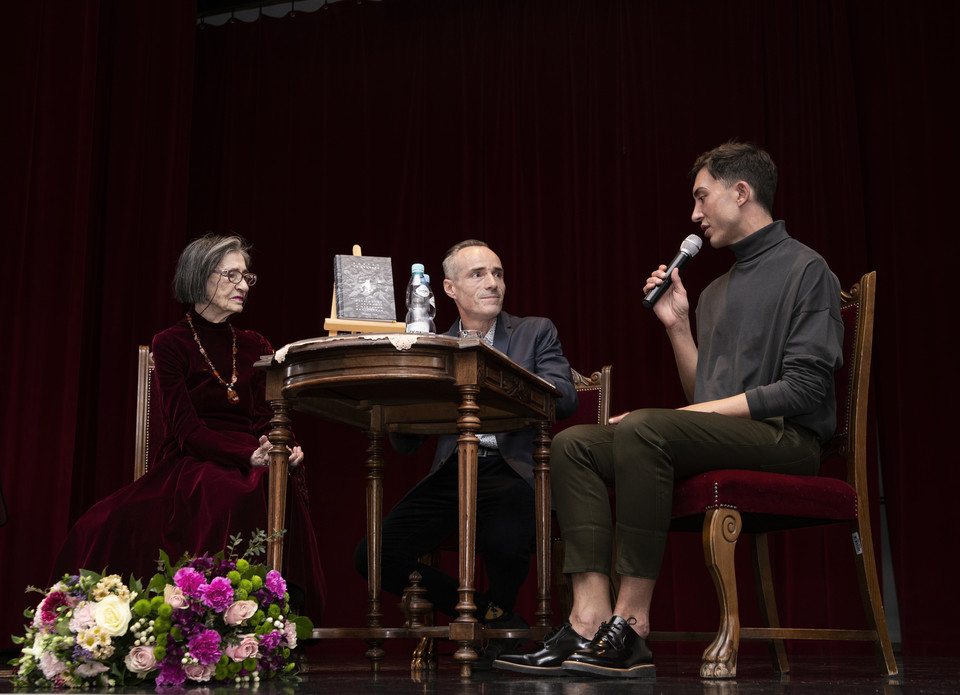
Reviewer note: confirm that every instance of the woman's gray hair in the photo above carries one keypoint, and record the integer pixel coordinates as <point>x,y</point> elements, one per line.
<point>199,260</point>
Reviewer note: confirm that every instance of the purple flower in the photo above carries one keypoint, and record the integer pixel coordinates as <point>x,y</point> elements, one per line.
<point>189,580</point>
<point>202,564</point>
<point>50,605</point>
<point>218,594</point>
<point>270,641</point>
<point>276,583</point>
<point>171,673</point>
<point>205,647</point>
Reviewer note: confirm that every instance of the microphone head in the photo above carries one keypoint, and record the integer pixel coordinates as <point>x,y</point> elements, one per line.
<point>691,245</point>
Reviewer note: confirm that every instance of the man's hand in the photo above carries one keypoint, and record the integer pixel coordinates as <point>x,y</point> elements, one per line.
<point>673,307</point>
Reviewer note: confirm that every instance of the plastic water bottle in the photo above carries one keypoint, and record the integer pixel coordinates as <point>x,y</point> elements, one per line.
<point>432,310</point>
<point>419,297</point>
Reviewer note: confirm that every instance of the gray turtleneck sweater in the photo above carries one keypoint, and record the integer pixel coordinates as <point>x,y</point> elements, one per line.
<point>770,328</point>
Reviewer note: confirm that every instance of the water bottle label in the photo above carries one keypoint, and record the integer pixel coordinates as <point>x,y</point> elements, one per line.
<point>422,290</point>
<point>418,327</point>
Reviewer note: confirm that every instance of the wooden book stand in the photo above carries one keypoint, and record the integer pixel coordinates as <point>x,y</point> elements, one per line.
<point>335,325</point>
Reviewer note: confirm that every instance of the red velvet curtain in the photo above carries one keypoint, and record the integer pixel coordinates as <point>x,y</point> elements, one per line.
<point>95,128</point>
<point>558,131</point>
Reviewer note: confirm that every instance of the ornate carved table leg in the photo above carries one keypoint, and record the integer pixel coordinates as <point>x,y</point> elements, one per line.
<point>541,472</point>
<point>464,630</point>
<point>280,439</point>
<point>721,528</point>
<point>374,478</point>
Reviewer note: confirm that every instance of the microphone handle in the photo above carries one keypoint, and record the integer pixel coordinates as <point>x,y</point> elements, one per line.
<point>653,295</point>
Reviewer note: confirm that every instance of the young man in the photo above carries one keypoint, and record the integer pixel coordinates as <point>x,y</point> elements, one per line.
<point>428,514</point>
<point>759,378</point>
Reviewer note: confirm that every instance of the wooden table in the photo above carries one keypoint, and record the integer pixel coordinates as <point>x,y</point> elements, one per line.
<point>414,384</point>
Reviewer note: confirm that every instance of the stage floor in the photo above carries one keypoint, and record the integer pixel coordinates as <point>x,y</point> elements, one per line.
<point>675,676</point>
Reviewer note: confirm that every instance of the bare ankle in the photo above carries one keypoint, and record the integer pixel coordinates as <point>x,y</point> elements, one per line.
<point>585,630</point>
<point>586,623</point>
<point>642,628</point>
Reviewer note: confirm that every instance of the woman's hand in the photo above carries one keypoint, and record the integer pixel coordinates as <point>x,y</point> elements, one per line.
<point>261,457</point>
<point>296,456</point>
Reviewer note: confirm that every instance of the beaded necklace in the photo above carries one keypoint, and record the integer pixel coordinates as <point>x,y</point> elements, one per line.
<point>231,393</point>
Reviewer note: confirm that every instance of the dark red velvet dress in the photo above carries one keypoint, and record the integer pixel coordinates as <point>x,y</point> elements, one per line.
<point>200,488</point>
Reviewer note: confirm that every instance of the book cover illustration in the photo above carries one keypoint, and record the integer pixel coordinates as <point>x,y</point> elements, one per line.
<point>364,287</point>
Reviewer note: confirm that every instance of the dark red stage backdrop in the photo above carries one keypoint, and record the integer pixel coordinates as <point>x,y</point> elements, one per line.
<point>559,131</point>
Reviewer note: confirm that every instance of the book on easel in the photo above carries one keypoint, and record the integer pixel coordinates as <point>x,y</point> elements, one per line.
<point>363,299</point>
<point>364,287</point>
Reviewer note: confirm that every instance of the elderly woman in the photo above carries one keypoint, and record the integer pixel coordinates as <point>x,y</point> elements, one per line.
<point>208,480</point>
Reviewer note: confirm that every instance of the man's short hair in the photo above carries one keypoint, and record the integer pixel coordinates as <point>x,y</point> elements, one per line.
<point>448,261</point>
<point>199,260</point>
<point>739,161</point>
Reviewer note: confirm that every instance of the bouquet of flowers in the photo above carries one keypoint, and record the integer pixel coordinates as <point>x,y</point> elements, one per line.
<point>206,618</point>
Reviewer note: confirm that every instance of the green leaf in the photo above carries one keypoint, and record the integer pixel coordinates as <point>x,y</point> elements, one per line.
<point>165,561</point>
<point>304,626</point>
<point>158,583</point>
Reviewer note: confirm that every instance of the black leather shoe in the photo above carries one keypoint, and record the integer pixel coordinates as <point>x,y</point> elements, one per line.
<point>499,645</point>
<point>616,652</point>
<point>559,644</point>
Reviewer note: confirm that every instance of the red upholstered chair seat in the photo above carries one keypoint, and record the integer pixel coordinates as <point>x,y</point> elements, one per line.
<point>784,501</point>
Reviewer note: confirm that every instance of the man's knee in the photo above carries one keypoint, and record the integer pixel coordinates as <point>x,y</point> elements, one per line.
<point>648,417</point>
<point>567,447</point>
<point>649,424</point>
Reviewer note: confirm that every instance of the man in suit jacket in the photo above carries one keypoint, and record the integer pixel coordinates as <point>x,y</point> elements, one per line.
<point>428,514</point>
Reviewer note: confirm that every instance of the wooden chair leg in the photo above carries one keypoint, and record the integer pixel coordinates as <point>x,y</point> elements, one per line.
<point>721,528</point>
<point>768,601</point>
<point>870,592</point>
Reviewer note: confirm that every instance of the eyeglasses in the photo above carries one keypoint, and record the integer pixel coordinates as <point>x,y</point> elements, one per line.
<point>235,276</point>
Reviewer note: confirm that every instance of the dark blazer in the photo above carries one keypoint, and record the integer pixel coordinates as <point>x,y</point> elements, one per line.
<point>533,343</point>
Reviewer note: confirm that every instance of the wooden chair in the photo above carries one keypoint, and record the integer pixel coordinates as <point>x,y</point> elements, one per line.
<point>141,460</point>
<point>725,503</point>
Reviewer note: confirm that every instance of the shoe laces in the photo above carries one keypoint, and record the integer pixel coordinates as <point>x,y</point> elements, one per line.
<point>614,632</point>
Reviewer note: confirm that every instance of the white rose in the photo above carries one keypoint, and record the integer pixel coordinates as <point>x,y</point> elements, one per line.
<point>112,615</point>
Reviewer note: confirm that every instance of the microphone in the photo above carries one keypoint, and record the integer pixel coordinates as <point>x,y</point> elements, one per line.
<point>688,249</point>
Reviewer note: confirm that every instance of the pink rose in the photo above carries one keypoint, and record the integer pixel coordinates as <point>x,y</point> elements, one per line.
<point>248,647</point>
<point>140,660</point>
<point>199,672</point>
<point>290,634</point>
<point>173,595</point>
<point>239,611</point>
